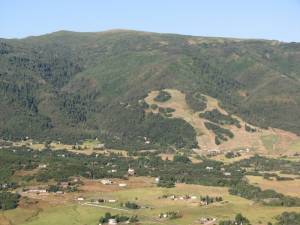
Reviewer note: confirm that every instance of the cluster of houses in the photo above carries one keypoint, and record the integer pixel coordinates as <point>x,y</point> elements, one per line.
<point>170,215</point>
<point>180,197</point>
<point>216,152</point>
<point>210,168</point>
<point>60,188</point>
<point>38,190</point>
<point>97,201</point>
<point>130,172</point>
<point>201,200</point>
<point>105,181</point>
<point>109,182</point>
<point>213,152</point>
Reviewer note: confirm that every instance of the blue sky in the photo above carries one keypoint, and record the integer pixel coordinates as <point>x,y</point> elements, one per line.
<point>268,19</point>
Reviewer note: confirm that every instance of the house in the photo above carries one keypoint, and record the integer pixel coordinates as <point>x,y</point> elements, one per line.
<point>131,172</point>
<point>106,181</point>
<point>122,185</point>
<point>76,180</point>
<point>80,199</point>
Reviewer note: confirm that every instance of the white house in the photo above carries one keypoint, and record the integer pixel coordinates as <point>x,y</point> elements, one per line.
<point>37,191</point>
<point>131,171</point>
<point>122,185</point>
<point>157,180</point>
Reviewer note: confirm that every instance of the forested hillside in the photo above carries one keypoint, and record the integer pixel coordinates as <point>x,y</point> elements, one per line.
<point>69,86</point>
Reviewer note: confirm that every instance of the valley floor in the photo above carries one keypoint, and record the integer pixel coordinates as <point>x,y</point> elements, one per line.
<point>62,209</point>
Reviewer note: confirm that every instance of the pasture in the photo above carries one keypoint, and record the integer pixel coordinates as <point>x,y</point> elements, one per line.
<point>287,187</point>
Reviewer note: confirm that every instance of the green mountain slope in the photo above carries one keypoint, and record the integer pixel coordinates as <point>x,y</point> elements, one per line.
<point>69,85</point>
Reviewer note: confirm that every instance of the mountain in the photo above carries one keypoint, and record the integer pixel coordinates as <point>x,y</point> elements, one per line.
<point>69,86</point>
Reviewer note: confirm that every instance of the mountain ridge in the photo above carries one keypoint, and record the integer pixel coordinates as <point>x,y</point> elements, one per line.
<point>122,30</point>
<point>66,85</point>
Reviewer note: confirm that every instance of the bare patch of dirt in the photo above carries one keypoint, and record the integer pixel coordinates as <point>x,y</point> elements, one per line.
<point>206,138</point>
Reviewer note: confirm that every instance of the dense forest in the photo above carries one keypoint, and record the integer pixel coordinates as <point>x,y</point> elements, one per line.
<point>69,86</point>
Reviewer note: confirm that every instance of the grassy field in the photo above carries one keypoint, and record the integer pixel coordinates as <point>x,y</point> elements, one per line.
<point>295,146</point>
<point>289,187</point>
<point>50,212</point>
<point>269,141</point>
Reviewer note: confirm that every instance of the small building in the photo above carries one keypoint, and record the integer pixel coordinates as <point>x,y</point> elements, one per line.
<point>38,191</point>
<point>112,201</point>
<point>209,168</point>
<point>131,172</point>
<point>80,199</point>
<point>157,180</point>
<point>227,174</point>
